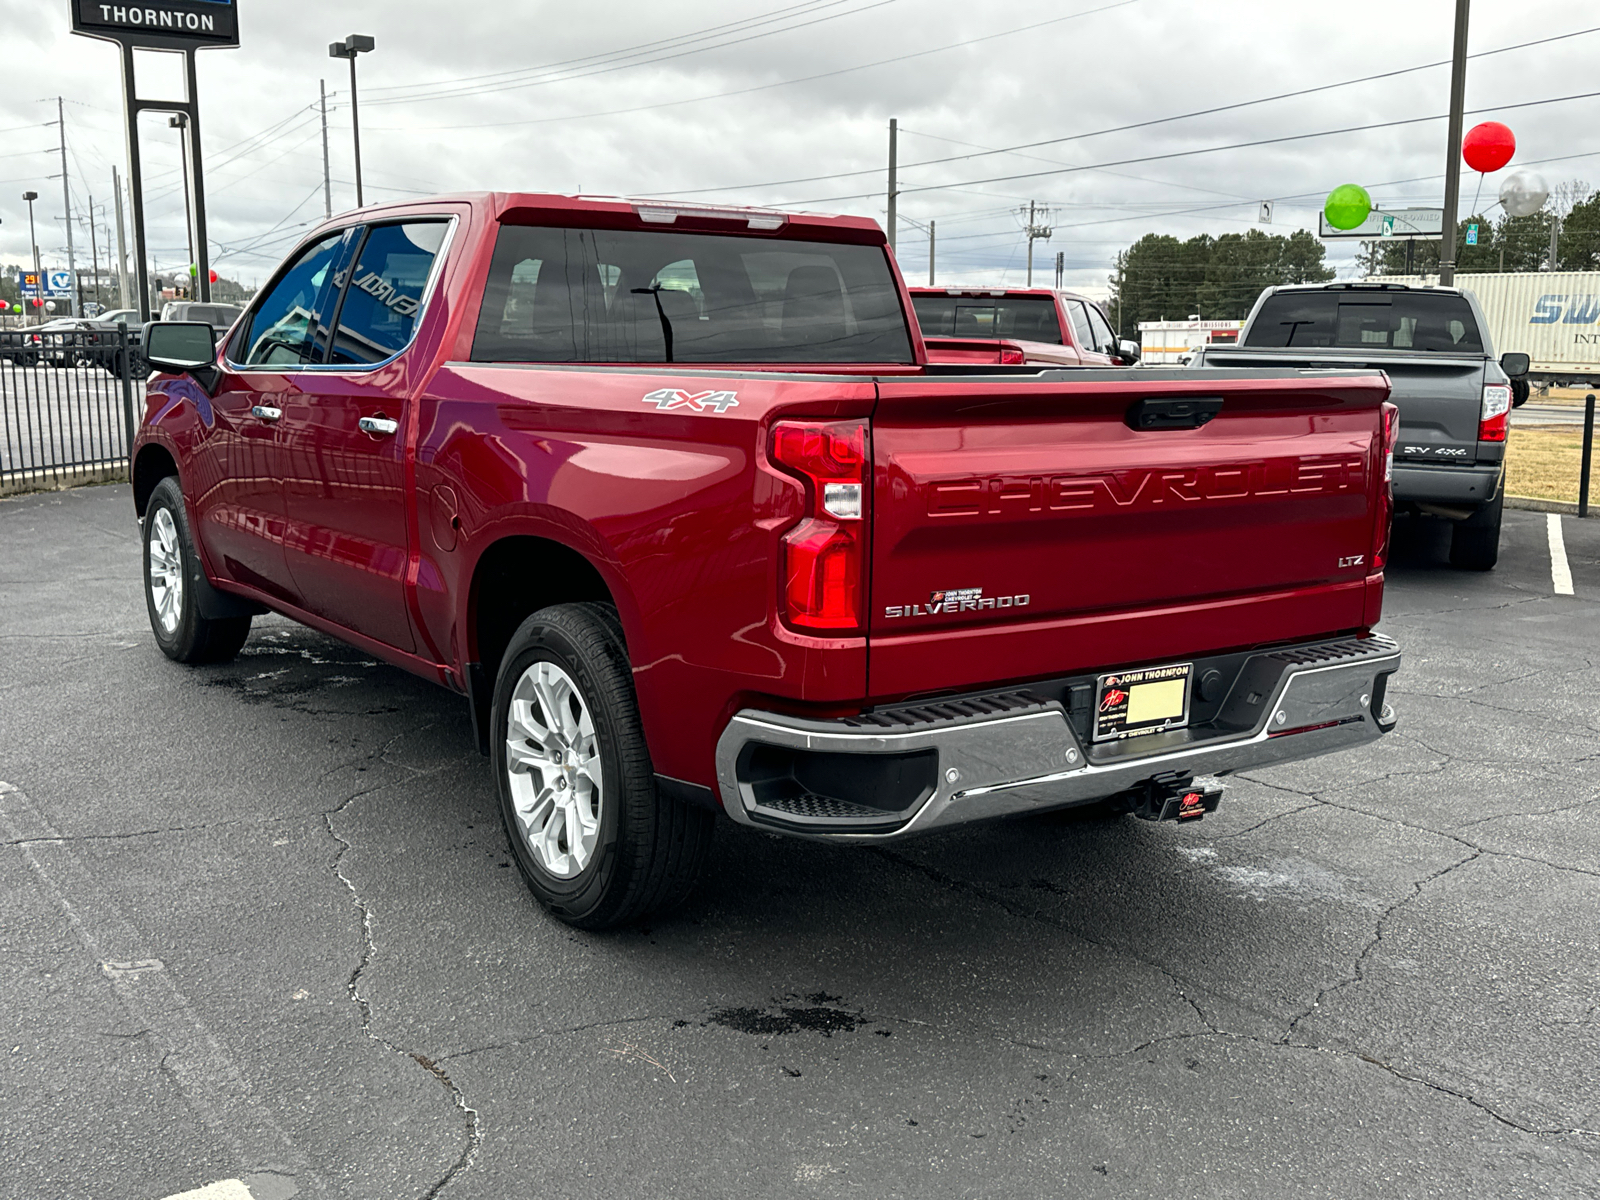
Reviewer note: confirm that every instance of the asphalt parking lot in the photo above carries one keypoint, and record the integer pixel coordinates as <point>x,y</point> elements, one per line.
<point>260,925</point>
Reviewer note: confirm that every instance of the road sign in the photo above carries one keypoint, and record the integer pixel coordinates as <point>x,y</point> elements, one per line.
<point>162,24</point>
<point>57,285</point>
<point>1472,235</point>
<point>1266,212</point>
<point>1401,223</point>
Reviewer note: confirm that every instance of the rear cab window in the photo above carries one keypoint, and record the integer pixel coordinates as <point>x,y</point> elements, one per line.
<point>1418,322</point>
<point>1024,318</point>
<point>560,294</point>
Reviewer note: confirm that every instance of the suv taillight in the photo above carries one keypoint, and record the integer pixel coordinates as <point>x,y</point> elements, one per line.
<point>823,566</point>
<point>1496,412</point>
<point>1390,418</point>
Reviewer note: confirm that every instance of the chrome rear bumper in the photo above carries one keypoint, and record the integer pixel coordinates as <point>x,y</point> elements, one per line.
<point>981,757</point>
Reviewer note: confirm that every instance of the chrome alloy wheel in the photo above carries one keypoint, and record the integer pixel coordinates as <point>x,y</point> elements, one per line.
<point>553,764</point>
<point>166,570</point>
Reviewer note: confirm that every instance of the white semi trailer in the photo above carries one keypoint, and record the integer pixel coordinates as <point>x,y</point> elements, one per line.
<point>1551,316</point>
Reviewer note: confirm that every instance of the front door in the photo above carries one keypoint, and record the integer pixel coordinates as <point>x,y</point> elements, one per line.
<point>348,545</point>
<point>237,494</point>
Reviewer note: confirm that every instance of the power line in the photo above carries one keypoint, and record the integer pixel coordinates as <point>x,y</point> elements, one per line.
<point>637,50</point>
<point>607,69</point>
<point>779,83</point>
<point>1272,141</point>
<point>1202,112</point>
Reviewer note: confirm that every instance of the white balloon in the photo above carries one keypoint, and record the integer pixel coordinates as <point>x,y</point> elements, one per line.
<point>1524,193</point>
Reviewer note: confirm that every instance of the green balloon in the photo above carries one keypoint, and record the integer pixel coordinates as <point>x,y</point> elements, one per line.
<point>1348,205</point>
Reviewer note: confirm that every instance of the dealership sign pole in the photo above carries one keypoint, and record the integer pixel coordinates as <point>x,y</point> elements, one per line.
<point>182,26</point>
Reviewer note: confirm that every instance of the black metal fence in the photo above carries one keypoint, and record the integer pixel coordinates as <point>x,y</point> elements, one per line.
<point>66,405</point>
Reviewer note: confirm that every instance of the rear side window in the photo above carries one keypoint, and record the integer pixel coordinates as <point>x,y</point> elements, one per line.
<point>287,326</point>
<point>1027,318</point>
<point>384,300</point>
<point>599,295</point>
<point>1430,323</point>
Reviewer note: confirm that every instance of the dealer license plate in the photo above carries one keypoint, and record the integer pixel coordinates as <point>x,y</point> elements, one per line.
<point>1133,703</point>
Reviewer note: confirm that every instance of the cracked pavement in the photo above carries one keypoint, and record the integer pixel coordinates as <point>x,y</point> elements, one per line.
<point>261,923</point>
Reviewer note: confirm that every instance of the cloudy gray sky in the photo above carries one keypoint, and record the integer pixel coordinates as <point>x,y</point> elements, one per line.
<point>731,101</point>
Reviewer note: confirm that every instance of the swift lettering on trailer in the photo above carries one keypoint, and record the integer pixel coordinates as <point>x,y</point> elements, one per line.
<point>1578,309</point>
<point>668,399</point>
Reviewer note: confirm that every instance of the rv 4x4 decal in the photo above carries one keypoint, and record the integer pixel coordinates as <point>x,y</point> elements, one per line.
<point>667,399</point>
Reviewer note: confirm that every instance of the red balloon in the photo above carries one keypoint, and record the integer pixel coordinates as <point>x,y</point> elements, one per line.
<point>213,276</point>
<point>1488,147</point>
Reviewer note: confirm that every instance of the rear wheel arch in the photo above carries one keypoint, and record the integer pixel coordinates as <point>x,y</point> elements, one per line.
<point>154,463</point>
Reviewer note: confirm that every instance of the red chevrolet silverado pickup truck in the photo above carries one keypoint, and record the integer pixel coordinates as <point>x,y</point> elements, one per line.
<point>1047,326</point>
<point>673,497</point>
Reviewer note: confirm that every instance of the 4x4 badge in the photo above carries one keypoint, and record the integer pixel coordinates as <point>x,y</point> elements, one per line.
<point>667,399</point>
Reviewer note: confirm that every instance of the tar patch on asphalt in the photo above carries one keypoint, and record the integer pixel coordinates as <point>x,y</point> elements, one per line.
<point>817,1015</point>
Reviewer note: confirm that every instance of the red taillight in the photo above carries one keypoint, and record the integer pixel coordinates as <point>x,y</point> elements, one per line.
<point>824,557</point>
<point>1496,412</point>
<point>1384,517</point>
<point>1012,356</point>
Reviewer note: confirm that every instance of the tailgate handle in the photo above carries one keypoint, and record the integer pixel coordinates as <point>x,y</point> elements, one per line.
<point>1173,412</point>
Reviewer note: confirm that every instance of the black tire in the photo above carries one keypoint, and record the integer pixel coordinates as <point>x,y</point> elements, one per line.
<point>181,632</point>
<point>1475,542</point>
<point>648,850</point>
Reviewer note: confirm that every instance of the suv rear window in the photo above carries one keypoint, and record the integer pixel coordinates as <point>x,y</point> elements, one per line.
<point>1028,318</point>
<point>1428,322</point>
<point>603,295</point>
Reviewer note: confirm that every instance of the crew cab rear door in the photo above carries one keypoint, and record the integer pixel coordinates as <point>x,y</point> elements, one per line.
<point>1024,529</point>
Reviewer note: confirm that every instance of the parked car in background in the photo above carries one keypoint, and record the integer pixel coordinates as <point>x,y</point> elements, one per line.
<point>1455,400</point>
<point>672,496</point>
<point>70,342</point>
<point>1060,328</point>
<point>219,316</point>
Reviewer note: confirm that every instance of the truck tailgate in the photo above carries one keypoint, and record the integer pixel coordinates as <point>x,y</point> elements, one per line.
<point>1439,397</point>
<point>1024,533</point>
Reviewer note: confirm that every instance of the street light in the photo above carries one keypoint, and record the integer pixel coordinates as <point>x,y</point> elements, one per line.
<point>356,43</point>
<point>33,240</point>
<point>180,122</point>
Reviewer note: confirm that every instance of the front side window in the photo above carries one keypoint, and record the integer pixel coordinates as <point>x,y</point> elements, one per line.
<point>602,295</point>
<point>1104,340</point>
<point>1081,332</point>
<point>284,328</point>
<point>1436,323</point>
<point>384,299</point>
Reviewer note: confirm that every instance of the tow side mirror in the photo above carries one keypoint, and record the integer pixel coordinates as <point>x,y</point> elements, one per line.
<point>184,348</point>
<point>1128,352</point>
<point>1514,363</point>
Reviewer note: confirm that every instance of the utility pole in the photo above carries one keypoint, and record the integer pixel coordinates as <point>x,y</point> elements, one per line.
<point>1036,232</point>
<point>1555,239</point>
<point>1061,267</point>
<point>66,201</point>
<point>931,225</point>
<point>124,296</point>
<point>894,185</point>
<point>1452,165</point>
<point>327,184</point>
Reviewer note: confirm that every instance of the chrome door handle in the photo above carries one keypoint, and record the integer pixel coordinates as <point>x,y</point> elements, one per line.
<point>266,413</point>
<point>381,425</point>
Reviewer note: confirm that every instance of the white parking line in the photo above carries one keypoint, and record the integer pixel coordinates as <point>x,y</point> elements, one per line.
<point>1560,572</point>
<point>226,1189</point>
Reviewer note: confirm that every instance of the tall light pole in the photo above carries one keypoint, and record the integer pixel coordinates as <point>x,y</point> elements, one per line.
<point>180,121</point>
<point>38,275</point>
<point>353,45</point>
